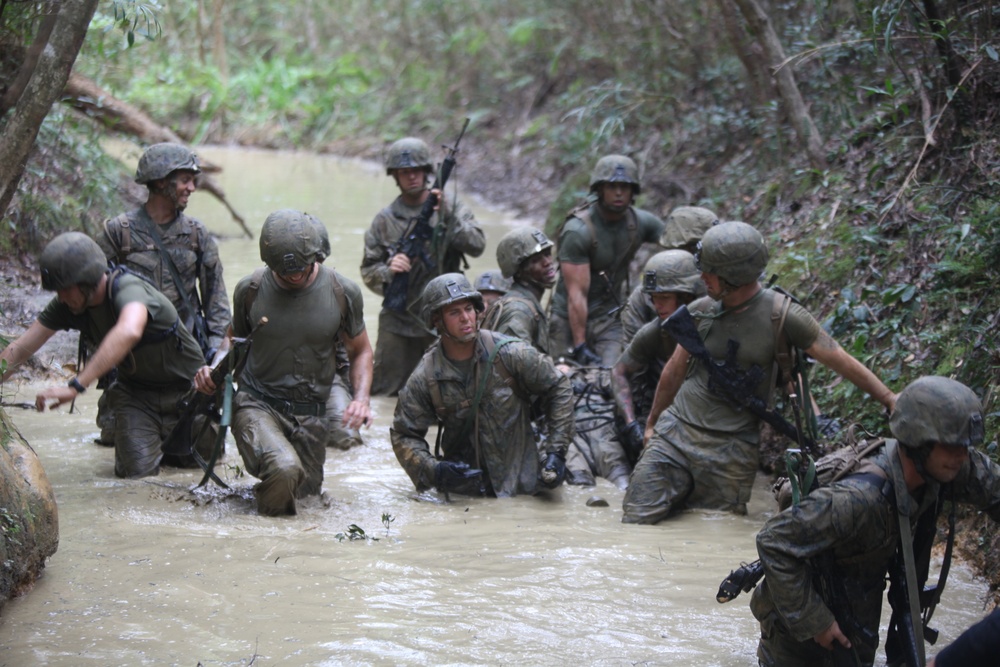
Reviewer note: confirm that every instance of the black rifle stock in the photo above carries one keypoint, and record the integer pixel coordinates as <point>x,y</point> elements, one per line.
<point>727,380</point>
<point>418,233</point>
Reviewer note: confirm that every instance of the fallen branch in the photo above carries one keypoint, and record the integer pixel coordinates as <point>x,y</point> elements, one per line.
<point>87,97</point>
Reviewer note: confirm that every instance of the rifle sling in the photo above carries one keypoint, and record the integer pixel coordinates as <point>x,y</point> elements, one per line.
<point>912,592</point>
<point>196,313</point>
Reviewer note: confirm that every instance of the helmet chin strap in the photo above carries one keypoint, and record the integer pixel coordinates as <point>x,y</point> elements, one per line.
<point>458,339</point>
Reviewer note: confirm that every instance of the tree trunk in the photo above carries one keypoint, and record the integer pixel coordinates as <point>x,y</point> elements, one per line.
<point>27,69</point>
<point>17,136</point>
<point>763,31</point>
<point>749,53</point>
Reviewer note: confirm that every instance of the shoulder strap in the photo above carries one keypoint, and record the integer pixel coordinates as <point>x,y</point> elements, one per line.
<point>121,251</point>
<point>251,294</point>
<point>784,355</point>
<point>338,292</point>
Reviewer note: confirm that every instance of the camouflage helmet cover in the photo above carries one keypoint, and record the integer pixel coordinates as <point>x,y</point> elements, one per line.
<point>290,241</point>
<point>734,251</point>
<point>491,281</point>
<point>71,259</point>
<point>324,238</point>
<point>518,245</point>
<point>446,289</point>
<point>408,152</point>
<point>161,160</point>
<point>934,410</point>
<point>686,225</point>
<point>672,271</point>
<point>615,169</point>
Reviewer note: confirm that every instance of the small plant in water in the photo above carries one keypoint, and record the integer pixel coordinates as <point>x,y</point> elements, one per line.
<point>387,520</point>
<point>354,533</point>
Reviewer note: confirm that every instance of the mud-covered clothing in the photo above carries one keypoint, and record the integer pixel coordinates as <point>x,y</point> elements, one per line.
<point>127,239</point>
<point>704,450</point>
<point>637,312</point>
<point>507,452</point>
<point>279,421</point>
<point>595,451</point>
<point>607,247</point>
<point>976,647</point>
<point>854,521</point>
<point>154,374</point>
<point>293,356</point>
<point>339,436</point>
<point>520,315</point>
<point>648,352</point>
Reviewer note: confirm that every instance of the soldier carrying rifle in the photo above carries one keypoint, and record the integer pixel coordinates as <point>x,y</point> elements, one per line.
<point>402,336</point>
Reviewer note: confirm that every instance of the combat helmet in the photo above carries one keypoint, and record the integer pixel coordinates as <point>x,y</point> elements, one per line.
<point>445,289</point>
<point>408,152</point>
<point>686,225</point>
<point>71,259</point>
<point>324,238</point>
<point>518,245</point>
<point>290,241</point>
<point>734,251</point>
<point>161,160</point>
<point>934,410</point>
<point>672,271</point>
<point>492,281</point>
<point>615,169</point>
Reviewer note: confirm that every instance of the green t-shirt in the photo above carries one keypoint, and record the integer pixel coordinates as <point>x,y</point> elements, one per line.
<point>160,359</point>
<point>614,249</point>
<point>753,329</point>
<point>650,345</point>
<point>293,356</point>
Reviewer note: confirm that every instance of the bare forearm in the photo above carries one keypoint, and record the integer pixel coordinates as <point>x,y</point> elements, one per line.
<point>829,353</point>
<point>623,392</point>
<point>670,383</point>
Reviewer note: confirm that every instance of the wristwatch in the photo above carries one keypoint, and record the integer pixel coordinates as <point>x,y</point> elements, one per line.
<point>75,383</point>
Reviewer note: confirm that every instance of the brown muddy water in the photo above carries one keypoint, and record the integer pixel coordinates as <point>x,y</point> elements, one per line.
<point>149,572</point>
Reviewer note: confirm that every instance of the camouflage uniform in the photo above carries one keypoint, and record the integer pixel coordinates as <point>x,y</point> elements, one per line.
<point>508,453</point>
<point>704,450</point>
<point>152,379</point>
<point>637,312</point>
<point>520,314</point>
<point>856,521</point>
<point>279,419</point>
<point>402,339</point>
<point>613,248</point>
<point>127,240</point>
<point>595,451</point>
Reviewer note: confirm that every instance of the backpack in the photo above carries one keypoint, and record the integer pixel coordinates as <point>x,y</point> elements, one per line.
<point>495,311</point>
<point>848,460</point>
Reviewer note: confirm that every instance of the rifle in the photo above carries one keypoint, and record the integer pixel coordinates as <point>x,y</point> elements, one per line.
<point>727,380</point>
<point>418,233</point>
<point>179,442</point>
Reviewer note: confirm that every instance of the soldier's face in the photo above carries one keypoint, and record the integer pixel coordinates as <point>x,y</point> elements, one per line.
<point>713,284</point>
<point>459,320</point>
<point>179,187</point>
<point>411,180</point>
<point>73,298</point>
<point>616,196</point>
<point>665,303</point>
<point>945,462</point>
<point>540,268</point>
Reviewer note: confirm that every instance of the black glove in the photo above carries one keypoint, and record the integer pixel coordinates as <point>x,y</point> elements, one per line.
<point>827,426</point>
<point>584,356</point>
<point>554,470</point>
<point>631,438</point>
<point>456,476</point>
